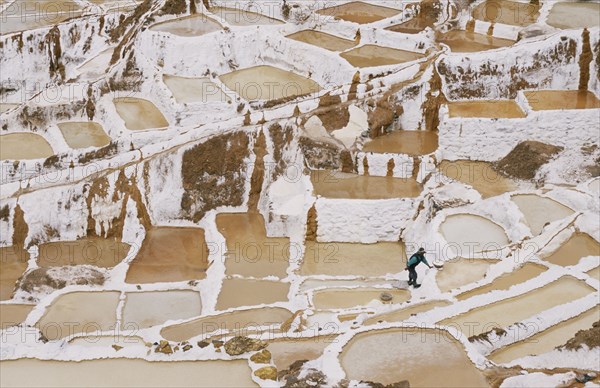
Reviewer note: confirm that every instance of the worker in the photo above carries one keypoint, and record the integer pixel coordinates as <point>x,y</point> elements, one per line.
<point>411,266</point>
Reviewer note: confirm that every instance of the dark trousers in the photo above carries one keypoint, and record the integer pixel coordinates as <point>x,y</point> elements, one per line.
<point>412,274</point>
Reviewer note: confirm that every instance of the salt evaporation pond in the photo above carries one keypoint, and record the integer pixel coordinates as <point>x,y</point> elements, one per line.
<point>13,262</point>
<point>268,83</point>
<point>507,12</point>
<point>13,314</point>
<point>460,272</point>
<point>194,90</point>
<point>84,134</point>
<point>470,234</point>
<point>188,26</point>
<point>480,175</point>
<point>334,184</point>
<point>541,100</point>
<point>250,292</point>
<point>359,12</point>
<point>343,259</point>
<point>490,109</point>
<point>508,311</point>
<point>576,14</point>
<point>547,340</point>
<point>96,251</point>
<point>469,42</point>
<point>240,17</point>
<point>406,313</point>
<point>147,309</point>
<point>505,281</point>
<point>139,114</point>
<point>170,254</point>
<point>344,298</point>
<point>24,146</point>
<point>539,211</point>
<point>79,312</point>
<point>241,322</point>
<point>579,245</point>
<point>412,143</point>
<point>391,355</point>
<point>123,372</point>
<point>372,55</point>
<point>323,40</point>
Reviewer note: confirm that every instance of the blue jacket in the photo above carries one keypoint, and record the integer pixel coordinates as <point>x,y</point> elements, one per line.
<point>416,259</point>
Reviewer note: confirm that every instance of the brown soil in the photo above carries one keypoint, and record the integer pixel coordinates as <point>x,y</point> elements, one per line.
<point>390,167</point>
<point>387,110</point>
<point>485,336</point>
<point>174,7</point>
<point>281,138</point>
<point>210,179</point>
<point>20,227</point>
<point>258,174</point>
<point>526,158</point>
<point>589,337</point>
<point>584,60</point>
<point>337,116</point>
<point>320,155</point>
<point>311,224</point>
<point>52,44</point>
<point>58,278</point>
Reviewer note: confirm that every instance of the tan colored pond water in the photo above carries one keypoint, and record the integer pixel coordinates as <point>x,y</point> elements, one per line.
<point>123,372</point>
<point>371,55</point>
<point>359,12</point>
<point>339,259</point>
<point>507,12</point>
<point>579,245</point>
<point>344,298</point>
<point>412,143</point>
<point>595,273</point>
<point>249,251</point>
<point>97,66</point>
<point>469,234</point>
<point>469,42</point>
<point>249,292</point>
<point>286,351</point>
<point>24,146</point>
<point>458,273</point>
<point>561,99</point>
<point>96,251</point>
<point>548,339</point>
<point>504,282</point>
<point>79,312</point>
<point>412,26</point>
<point>492,109</point>
<point>578,14</point>
<point>31,14</point>
<point>4,107</point>
<point>480,175</point>
<point>539,211</point>
<point>310,284</point>
<point>147,309</point>
<point>334,184</point>
<point>84,134</point>
<point>13,314</point>
<point>139,114</point>
<point>194,90</point>
<point>244,17</point>
<point>323,40</point>
<point>170,254</point>
<point>194,25</point>
<point>268,83</point>
<point>13,262</point>
<point>109,340</point>
<point>391,355</point>
<point>240,322</point>
<point>508,311</point>
<point>405,313</point>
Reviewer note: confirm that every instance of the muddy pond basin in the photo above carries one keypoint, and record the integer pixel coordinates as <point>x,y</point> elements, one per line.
<point>413,143</point>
